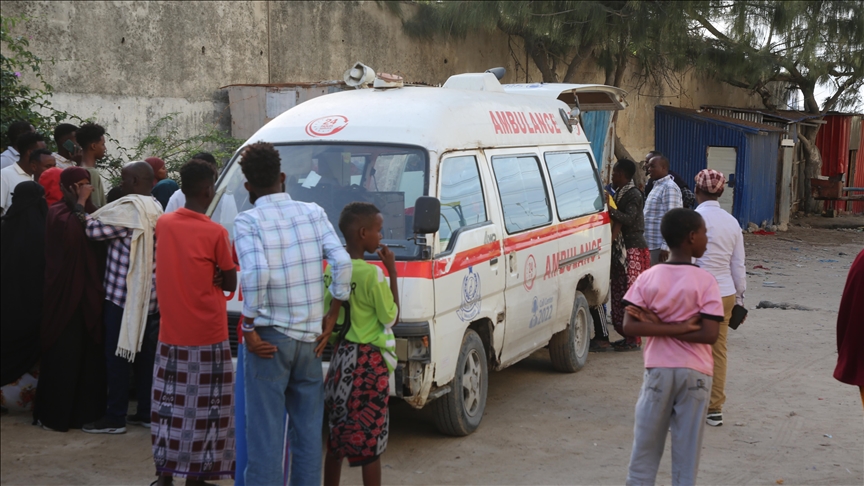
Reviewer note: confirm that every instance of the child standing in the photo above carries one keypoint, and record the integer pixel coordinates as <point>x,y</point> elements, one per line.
<point>677,307</point>
<point>357,387</point>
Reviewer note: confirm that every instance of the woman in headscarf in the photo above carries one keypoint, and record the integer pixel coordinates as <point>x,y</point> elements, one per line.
<point>72,385</point>
<point>22,270</point>
<point>164,187</point>
<point>50,181</point>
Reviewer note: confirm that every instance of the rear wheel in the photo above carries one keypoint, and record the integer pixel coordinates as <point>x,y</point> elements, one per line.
<point>568,349</point>
<point>459,412</point>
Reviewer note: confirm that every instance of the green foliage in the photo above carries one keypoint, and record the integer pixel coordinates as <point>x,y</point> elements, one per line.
<point>20,101</point>
<point>164,140</point>
<point>747,43</point>
<point>560,35</point>
<point>803,44</point>
<point>24,101</point>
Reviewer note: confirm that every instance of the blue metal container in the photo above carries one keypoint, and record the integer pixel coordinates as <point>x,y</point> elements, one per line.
<point>684,135</point>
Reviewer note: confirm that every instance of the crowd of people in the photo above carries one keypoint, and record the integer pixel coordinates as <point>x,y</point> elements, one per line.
<point>91,313</point>
<point>86,304</point>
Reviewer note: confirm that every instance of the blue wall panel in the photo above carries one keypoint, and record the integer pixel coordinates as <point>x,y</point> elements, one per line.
<point>685,138</point>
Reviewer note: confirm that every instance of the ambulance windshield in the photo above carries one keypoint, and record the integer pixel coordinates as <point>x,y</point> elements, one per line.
<point>331,176</point>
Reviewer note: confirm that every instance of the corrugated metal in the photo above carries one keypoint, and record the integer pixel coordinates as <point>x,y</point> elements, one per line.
<point>596,126</point>
<point>833,143</point>
<point>775,119</point>
<point>858,207</point>
<point>757,179</point>
<point>855,133</point>
<point>685,137</point>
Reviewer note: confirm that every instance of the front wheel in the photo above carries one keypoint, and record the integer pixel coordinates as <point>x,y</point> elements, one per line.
<point>568,349</point>
<point>459,412</point>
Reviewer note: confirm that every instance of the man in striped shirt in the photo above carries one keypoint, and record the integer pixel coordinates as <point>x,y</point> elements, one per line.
<point>281,245</point>
<point>664,197</point>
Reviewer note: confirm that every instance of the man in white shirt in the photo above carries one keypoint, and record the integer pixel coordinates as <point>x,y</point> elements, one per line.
<point>12,153</point>
<point>38,161</point>
<point>724,259</point>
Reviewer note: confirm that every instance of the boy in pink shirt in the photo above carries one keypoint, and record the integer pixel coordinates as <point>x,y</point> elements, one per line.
<point>677,307</point>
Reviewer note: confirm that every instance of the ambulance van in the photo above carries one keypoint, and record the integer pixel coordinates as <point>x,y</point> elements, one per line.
<point>493,205</point>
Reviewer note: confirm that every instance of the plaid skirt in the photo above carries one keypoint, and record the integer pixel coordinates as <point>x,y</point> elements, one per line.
<point>356,397</point>
<point>192,412</point>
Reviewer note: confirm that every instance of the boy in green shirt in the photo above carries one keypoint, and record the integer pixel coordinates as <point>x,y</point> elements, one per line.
<point>357,387</point>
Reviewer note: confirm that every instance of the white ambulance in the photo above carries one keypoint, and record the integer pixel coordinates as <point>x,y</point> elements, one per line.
<point>494,208</point>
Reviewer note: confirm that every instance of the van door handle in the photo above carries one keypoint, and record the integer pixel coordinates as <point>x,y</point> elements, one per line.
<point>511,261</point>
<point>493,261</point>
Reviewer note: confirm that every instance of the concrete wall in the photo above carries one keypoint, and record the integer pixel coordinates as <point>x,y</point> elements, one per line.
<point>129,63</point>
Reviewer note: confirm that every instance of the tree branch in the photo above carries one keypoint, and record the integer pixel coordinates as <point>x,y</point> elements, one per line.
<point>541,61</point>
<point>575,62</point>
<point>830,102</point>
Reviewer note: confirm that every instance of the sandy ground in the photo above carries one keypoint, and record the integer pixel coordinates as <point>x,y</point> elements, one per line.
<point>787,420</point>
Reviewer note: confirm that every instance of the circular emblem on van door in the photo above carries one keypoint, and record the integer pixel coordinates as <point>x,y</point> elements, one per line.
<point>530,272</point>
<point>471,296</point>
<point>326,126</point>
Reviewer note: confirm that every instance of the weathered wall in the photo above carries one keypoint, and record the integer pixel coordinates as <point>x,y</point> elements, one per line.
<point>129,63</point>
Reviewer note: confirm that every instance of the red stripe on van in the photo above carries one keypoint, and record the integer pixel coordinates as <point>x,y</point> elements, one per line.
<point>484,253</point>
<point>468,258</point>
<point>409,269</point>
<point>543,235</point>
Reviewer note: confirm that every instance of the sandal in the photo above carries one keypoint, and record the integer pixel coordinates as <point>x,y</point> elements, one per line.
<point>599,346</point>
<point>623,347</point>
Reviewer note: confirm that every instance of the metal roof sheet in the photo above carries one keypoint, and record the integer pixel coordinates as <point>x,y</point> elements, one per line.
<point>788,116</point>
<point>745,125</point>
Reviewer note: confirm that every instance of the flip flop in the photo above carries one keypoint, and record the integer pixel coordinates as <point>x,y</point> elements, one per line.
<point>627,347</point>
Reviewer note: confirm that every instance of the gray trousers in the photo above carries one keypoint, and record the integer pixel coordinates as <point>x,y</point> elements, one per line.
<point>676,397</point>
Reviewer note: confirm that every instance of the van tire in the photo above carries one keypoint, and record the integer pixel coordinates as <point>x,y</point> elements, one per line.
<point>568,349</point>
<point>459,412</point>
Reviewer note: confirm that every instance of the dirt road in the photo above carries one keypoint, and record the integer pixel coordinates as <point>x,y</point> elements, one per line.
<point>786,417</point>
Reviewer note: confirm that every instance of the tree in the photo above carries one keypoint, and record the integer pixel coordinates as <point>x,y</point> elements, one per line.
<point>803,44</point>
<point>559,36</point>
<point>19,100</point>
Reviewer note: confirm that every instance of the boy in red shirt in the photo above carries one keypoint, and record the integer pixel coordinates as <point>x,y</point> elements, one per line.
<point>193,370</point>
<point>677,306</point>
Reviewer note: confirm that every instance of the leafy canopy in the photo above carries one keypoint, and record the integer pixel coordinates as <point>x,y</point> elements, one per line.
<point>803,44</point>
<point>559,35</point>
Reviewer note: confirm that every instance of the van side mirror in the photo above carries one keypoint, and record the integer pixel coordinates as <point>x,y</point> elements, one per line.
<point>427,215</point>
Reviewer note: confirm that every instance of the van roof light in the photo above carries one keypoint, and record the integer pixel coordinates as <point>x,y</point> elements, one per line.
<point>359,76</point>
<point>499,72</point>
<point>386,80</point>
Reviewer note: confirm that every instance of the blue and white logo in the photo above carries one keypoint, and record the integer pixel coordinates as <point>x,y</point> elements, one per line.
<point>471,296</point>
<point>541,310</point>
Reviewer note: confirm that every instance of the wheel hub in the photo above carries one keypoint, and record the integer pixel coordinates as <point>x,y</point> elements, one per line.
<point>471,383</point>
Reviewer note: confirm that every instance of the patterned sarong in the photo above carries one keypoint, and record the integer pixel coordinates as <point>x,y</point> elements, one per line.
<point>192,414</point>
<point>623,276</point>
<point>356,397</point>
